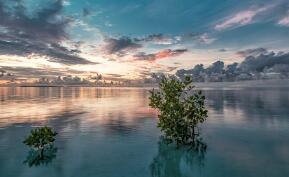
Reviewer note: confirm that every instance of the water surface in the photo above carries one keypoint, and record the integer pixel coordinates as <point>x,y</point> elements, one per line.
<point>111,132</point>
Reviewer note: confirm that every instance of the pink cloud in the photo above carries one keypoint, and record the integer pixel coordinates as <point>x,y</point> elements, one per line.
<point>159,55</point>
<point>240,19</point>
<point>284,21</point>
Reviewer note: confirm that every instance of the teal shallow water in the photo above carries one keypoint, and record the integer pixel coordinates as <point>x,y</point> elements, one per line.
<point>111,132</point>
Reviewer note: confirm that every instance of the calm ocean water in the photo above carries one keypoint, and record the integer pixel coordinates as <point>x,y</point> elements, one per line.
<point>111,132</point>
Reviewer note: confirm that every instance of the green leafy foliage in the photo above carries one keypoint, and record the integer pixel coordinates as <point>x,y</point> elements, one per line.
<point>181,110</point>
<point>40,137</point>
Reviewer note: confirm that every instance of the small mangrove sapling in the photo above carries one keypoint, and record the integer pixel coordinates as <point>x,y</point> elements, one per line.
<point>39,138</point>
<point>181,110</point>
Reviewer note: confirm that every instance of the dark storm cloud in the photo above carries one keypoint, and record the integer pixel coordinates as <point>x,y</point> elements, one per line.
<point>39,34</point>
<point>120,46</point>
<point>55,52</point>
<point>252,52</point>
<point>46,24</point>
<point>253,67</point>
<point>258,63</point>
<point>159,55</point>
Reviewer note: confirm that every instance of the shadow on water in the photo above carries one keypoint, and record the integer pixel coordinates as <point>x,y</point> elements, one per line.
<point>178,162</point>
<point>34,157</point>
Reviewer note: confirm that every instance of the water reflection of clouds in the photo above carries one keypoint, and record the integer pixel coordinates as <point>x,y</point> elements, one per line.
<point>115,111</point>
<point>260,106</point>
<point>32,105</point>
<point>247,130</point>
<point>247,152</point>
<point>102,128</point>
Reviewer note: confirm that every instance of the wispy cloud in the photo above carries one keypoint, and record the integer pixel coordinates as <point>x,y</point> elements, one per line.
<point>206,39</point>
<point>241,18</point>
<point>159,55</point>
<point>66,2</point>
<point>31,72</point>
<point>159,39</point>
<point>284,21</point>
<point>196,38</point>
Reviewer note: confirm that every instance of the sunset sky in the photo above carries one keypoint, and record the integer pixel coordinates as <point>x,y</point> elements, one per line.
<point>130,39</point>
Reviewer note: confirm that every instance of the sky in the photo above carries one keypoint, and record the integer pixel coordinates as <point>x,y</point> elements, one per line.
<point>130,39</point>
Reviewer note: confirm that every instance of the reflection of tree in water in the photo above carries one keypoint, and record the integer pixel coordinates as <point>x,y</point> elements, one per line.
<point>178,162</point>
<point>34,157</point>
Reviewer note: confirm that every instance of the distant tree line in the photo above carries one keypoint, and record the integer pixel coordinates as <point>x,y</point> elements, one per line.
<point>4,73</point>
<point>97,80</point>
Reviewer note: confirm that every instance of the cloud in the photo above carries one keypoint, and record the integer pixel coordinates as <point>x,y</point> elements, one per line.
<point>120,46</point>
<point>284,21</point>
<point>46,23</point>
<point>253,67</point>
<point>86,12</point>
<point>171,68</point>
<point>124,46</point>
<point>145,73</point>
<point>144,56</point>
<point>54,52</point>
<point>223,50</point>
<point>252,52</point>
<point>170,53</point>
<point>30,72</point>
<point>197,38</point>
<point>240,19</point>
<point>108,24</point>
<point>66,3</point>
<point>115,75</point>
<point>162,39</point>
<point>37,33</point>
<point>159,39</point>
<point>258,63</point>
<point>159,55</point>
<point>205,39</point>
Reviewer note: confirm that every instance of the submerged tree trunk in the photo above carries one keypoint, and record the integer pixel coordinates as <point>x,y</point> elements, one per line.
<point>42,153</point>
<point>193,134</point>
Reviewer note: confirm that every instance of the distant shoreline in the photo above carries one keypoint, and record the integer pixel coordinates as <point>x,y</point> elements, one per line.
<point>238,84</point>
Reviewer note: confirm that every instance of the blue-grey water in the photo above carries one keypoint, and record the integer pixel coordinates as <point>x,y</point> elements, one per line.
<point>111,132</point>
